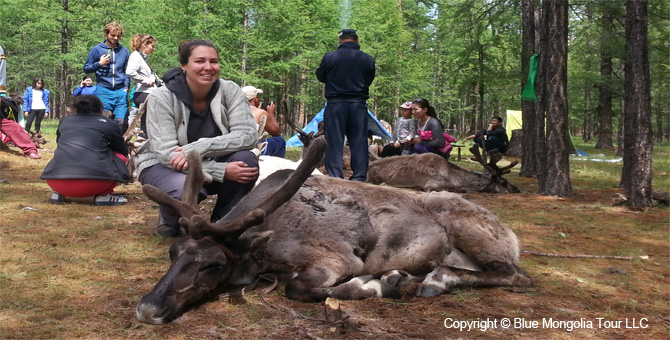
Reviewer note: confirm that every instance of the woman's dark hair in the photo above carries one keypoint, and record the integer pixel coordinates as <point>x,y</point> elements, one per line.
<point>187,46</point>
<point>88,104</point>
<point>86,77</point>
<point>37,80</point>
<point>426,105</point>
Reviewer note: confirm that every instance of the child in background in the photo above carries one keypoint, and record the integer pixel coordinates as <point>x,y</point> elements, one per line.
<point>85,87</point>
<point>403,131</point>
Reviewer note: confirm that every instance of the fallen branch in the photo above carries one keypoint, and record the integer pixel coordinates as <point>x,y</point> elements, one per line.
<point>609,257</point>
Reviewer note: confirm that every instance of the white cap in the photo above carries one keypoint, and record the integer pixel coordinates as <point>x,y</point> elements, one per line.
<point>251,92</point>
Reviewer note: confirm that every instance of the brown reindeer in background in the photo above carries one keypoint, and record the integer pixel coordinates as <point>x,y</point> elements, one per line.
<point>328,237</point>
<point>431,172</point>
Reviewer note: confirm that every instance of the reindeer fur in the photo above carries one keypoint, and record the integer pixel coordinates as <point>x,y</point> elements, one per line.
<point>332,230</point>
<point>431,172</point>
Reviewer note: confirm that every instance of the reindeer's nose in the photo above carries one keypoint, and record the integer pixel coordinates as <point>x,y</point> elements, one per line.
<point>155,310</point>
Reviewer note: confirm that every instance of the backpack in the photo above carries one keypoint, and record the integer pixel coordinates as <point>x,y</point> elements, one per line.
<point>448,139</point>
<point>9,109</point>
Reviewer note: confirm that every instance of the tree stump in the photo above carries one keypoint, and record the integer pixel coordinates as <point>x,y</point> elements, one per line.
<point>515,147</point>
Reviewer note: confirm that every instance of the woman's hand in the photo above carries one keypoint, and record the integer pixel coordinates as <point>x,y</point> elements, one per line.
<point>179,161</point>
<point>240,172</point>
<point>396,145</point>
<point>26,113</point>
<point>415,140</point>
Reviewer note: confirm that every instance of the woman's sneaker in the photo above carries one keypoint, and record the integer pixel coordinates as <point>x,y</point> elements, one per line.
<point>109,200</point>
<point>56,198</point>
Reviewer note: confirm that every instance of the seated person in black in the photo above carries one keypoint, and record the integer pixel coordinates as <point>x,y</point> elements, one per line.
<point>495,136</point>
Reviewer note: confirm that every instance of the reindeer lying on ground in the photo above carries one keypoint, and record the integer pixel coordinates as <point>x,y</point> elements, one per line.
<point>431,172</point>
<point>318,232</point>
<point>37,139</point>
<point>428,172</point>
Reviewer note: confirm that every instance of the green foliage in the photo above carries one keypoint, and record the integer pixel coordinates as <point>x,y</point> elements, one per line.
<point>423,48</point>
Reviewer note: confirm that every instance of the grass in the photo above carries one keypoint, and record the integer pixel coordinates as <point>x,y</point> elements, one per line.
<point>76,271</point>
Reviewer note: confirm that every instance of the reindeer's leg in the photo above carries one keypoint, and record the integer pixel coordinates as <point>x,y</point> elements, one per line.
<point>315,284</point>
<point>497,274</point>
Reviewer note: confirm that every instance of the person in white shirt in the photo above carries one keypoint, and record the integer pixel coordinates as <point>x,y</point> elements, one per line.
<point>36,102</point>
<point>140,72</point>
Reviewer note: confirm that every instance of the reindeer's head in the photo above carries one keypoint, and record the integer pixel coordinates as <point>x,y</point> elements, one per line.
<point>201,264</point>
<point>198,267</point>
<point>497,184</point>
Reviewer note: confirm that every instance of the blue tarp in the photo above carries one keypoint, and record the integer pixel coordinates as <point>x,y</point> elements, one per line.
<point>374,126</point>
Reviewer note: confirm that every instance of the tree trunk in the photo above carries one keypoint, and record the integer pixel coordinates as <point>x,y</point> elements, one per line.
<point>63,84</point>
<point>605,104</point>
<point>557,183</point>
<point>638,144</point>
<point>476,125</point>
<point>586,128</point>
<point>659,125</point>
<point>480,86</point>
<point>528,164</point>
<point>245,56</point>
<point>542,43</point>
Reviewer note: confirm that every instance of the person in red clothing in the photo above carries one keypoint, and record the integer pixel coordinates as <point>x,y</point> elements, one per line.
<point>90,157</point>
<point>12,131</point>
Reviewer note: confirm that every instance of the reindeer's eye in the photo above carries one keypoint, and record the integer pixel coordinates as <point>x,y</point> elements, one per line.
<point>212,266</point>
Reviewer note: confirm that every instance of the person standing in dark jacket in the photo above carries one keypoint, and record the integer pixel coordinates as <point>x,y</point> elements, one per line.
<point>347,73</point>
<point>90,156</point>
<point>495,136</point>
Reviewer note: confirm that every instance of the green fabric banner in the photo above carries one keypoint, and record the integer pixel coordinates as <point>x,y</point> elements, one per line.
<point>529,91</point>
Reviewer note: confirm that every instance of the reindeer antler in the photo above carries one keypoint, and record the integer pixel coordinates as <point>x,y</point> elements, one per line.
<point>494,157</point>
<point>198,227</point>
<point>131,128</point>
<point>188,206</point>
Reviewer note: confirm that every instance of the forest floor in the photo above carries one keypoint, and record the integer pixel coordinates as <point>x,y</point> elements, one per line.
<point>76,271</point>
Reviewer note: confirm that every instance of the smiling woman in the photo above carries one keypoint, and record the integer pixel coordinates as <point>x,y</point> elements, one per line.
<point>197,111</point>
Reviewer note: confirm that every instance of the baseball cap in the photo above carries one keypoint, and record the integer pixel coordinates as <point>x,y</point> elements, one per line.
<point>251,92</point>
<point>406,105</point>
<point>348,33</point>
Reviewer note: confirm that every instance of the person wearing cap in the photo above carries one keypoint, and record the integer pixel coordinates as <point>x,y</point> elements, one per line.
<point>276,145</point>
<point>404,131</point>
<point>347,73</point>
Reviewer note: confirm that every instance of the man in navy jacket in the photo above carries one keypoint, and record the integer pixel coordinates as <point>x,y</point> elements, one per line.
<point>347,73</point>
<point>109,60</point>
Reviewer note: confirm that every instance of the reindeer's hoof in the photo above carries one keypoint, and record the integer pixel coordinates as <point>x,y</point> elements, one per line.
<point>397,278</point>
<point>429,291</point>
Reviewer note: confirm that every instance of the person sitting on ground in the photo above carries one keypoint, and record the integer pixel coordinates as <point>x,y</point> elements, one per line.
<point>90,156</point>
<point>404,130</point>
<point>10,109</point>
<point>197,111</point>
<point>276,144</point>
<point>430,132</point>
<point>85,87</point>
<point>495,136</point>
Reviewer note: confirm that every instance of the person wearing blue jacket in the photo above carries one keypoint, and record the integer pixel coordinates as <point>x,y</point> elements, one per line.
<point>86,87</point>
<point>347,73</point>
<point>35,104</point>
<point>109,61</point>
